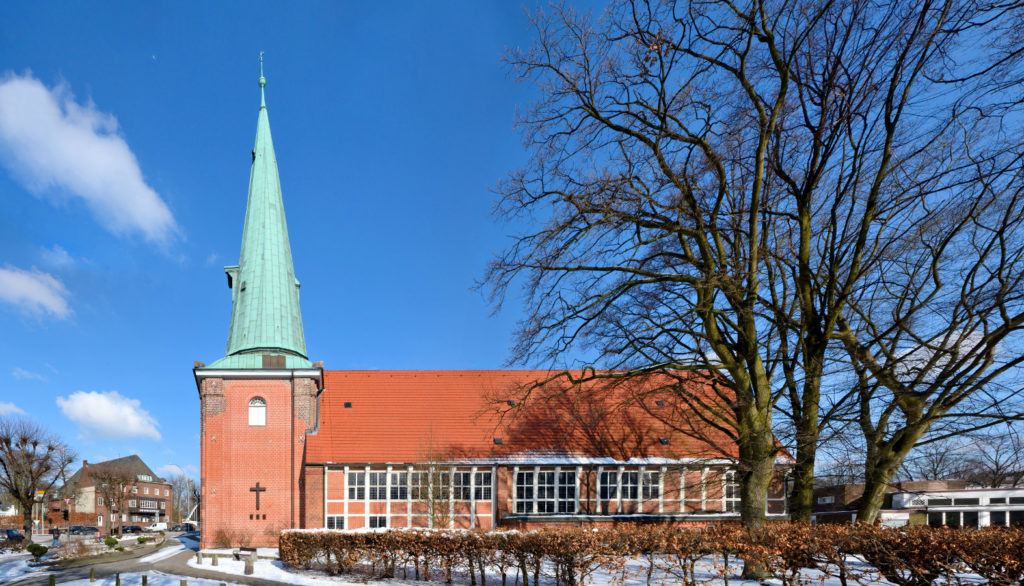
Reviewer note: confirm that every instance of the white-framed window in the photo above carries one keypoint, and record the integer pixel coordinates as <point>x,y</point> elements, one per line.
<point>567,491</point>
<point>135,490</point>
<point>131,502</point>
<point>99,501</point>
<point>630,485</point>
<point>378,521</point>
<point>378,486</point>
<point>257,411</point>
<point>356,486</point>
<point>167,492</point>
<point>462,489</point>
<point>546,492</point>
<point>335,521</point>
<point>163,505</point>
<point>652,485</point>
<point>609,485</point>
<point>482,491</point>
<point>524,492</point>
<point>730,492</point>
<point>419,485</point>
<point>399,486</point>
<point>99,520</point>
<point>145,490</point>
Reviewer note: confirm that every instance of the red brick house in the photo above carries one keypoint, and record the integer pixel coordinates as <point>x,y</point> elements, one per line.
<point>149,502</point>
<point>286,443</point>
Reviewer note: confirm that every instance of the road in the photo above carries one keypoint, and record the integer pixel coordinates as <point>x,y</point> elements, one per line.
<point>176,564</point>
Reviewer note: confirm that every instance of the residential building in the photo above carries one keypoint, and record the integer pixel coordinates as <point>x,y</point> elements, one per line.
<point>149,499</point>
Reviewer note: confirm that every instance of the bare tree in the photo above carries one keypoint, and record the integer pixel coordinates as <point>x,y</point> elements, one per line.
<point>945,460</point>
<point>182,487</point>
<point>716,183</point>
<point>997,459</point>
<point>31,462</point>
<point>117,486</point>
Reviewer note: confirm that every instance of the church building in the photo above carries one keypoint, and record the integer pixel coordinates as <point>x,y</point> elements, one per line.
<point>288,444</point>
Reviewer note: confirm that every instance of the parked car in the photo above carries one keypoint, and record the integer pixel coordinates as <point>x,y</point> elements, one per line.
<point>82,530</point>
<point>131,529</point>
<point>154,527</point>
<point>9,537</point>
<point>186,527</point>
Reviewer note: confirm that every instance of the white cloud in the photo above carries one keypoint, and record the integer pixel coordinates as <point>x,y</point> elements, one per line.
<point>56,257</point>
<point>108,415</point>
<point>10,409</point>
<point>26,374</point>
<point>50,141</point>
<point>34,291</point>
<point>168,470</point>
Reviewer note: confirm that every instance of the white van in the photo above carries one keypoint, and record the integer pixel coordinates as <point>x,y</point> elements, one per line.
<point>156,527</point>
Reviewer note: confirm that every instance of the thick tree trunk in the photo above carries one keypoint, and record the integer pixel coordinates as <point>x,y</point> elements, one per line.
<point>26,522</point>
<point>881,467</point>
<point>757,466</point>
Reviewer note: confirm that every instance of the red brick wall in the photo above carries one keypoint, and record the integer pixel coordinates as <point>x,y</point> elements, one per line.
<point>235,456</point>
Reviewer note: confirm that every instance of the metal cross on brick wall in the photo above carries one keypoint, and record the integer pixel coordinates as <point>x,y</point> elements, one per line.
<point>258,489</point>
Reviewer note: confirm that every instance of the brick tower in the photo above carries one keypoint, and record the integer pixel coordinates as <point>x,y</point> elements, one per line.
<point>260,400</point>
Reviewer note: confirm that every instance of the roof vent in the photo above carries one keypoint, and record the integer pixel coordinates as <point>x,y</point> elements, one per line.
<point>663,440</point>
<point>498,441</point>
<point>659,403</point>
<point>348,405</point>
<point>511,403</point>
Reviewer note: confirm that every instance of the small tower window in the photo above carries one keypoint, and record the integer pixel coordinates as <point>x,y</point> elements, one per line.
<point>257,411</point>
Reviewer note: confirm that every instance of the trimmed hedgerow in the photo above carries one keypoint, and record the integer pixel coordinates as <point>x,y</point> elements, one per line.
<point>909,556</point>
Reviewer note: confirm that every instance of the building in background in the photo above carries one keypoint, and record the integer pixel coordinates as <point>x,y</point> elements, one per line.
<point>149,502</point>
<point>937,503</point>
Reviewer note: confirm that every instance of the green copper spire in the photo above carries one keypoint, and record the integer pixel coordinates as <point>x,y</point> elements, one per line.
<point>265,315</point>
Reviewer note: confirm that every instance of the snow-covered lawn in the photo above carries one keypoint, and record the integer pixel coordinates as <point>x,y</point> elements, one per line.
<point>13,566</point>
<point>263,552</point>
<point>162,554</point>
<point>634,573</point>
<point>153,578</point>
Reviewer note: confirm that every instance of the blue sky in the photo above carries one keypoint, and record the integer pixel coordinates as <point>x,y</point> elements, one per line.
<point>125,138</point>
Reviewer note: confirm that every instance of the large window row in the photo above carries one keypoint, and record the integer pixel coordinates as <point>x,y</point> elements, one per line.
<point>420,485</point>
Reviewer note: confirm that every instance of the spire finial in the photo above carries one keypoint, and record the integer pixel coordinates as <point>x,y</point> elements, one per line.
<point>263,83</point>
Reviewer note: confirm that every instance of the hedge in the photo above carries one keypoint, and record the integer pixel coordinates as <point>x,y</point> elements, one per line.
<point>909,556</point>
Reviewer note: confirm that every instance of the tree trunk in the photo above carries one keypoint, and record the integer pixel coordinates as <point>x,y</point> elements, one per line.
<point>880,471</point>
<point>807,432</point>
<point>26,522</point>
<point>757,466</point>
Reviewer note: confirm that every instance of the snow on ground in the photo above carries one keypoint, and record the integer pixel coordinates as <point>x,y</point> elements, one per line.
<point>633,573</point>
<point>16,566</point>
<point>154,579</point>
<point>267,552</point>
<point>163,554</point>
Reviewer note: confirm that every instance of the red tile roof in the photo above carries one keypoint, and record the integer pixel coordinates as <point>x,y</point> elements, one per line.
<point>406,417</point>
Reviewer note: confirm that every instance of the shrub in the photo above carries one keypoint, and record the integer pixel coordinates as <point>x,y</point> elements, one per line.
<point>37,550</point>
<point>119,548</point>
<point>908,556</point>
<point>143,539</point>
<point>110,542</point>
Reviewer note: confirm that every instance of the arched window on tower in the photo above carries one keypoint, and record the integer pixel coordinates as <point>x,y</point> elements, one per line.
<point>257,411</point>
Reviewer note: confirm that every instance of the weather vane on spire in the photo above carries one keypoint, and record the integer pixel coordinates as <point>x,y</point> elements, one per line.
<point>263,80</point>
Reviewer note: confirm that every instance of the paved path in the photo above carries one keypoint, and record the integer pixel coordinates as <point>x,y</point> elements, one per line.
<point>177,564</point>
